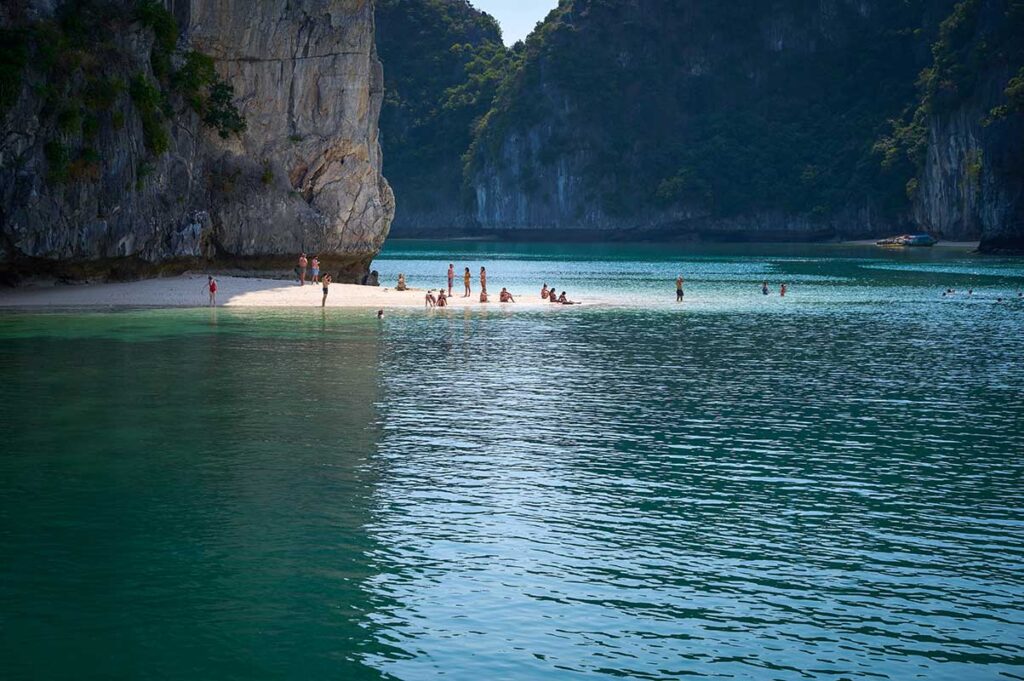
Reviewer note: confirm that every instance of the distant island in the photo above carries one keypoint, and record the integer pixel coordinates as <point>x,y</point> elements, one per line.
<point>706,120</point>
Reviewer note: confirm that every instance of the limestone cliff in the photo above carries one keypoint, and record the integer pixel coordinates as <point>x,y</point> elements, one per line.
<point>971,124</point>
<point>113,159</point>
<point>705,120</point>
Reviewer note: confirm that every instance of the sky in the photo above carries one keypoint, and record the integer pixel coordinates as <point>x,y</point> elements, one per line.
<point>517,17</point>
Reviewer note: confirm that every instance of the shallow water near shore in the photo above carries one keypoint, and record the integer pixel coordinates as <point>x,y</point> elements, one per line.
<point>829,485</point>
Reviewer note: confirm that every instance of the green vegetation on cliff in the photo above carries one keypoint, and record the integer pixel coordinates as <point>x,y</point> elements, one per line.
<point>976,40</point>
<point>443,62</point>
<point>727,108</point>
<point>76,63</point>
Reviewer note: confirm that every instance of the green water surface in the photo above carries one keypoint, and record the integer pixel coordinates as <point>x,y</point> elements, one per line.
<point>829,485</point>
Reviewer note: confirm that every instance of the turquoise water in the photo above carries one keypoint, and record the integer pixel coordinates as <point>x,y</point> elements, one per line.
<point>829,485</point>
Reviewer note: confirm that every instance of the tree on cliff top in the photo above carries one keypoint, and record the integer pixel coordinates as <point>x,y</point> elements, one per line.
<point>443,61</point>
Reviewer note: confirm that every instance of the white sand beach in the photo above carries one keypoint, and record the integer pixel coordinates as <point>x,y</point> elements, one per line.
<point>189,290</point>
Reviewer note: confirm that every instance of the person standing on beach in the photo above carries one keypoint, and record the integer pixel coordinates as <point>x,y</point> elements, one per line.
<point>679,289</point>
<point>302,269</point>
<point>316,270</point>
<point>211,285</point>
<point>483,279</point>
<point>466,277</point>
<point>451,278</point>
<point>326,284</point>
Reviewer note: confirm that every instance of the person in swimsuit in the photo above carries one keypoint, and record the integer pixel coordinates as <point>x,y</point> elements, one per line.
<point>380,314</point>
<point>451,277</point>
<point>483,279</point>
<point>211,285</point>
<point>466,277</point>
<point>430,301</point>
<point>782,290</point>
<point>764,288</point>
<point>505,296</point>
<point>442,301</point>
<point>679,289</point>
<point>552,297</point>
<point>302,269</point>
<point>483,295</point>
<point>326,283</point>
<point>315,267</point>
<point>544,292</point>
<point>401,283</point>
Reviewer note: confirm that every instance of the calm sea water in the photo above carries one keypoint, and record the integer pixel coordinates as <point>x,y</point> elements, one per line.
<point>829,485</point>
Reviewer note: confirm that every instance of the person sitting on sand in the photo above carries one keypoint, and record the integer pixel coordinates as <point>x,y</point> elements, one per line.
<point>483,295</point>
<point>465,280</point>
<point>430,300</point>
<point>326,283</point>
<point>564,300</point>
<point>505,296</point>
<point>442,300</point>
<point>552,297</point>
<point>401,283</point>
<point>544,292</point>
<point>211,285</point>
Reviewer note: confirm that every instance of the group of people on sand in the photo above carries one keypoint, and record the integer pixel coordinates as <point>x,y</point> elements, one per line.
<point>551,295</point>
<point>441,299</point>
<point>313,266</point>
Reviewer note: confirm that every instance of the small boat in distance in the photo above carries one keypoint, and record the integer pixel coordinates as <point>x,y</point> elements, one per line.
<point>909,240</point>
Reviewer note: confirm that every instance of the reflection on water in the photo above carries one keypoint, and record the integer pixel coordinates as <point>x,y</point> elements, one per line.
<point>828,487</point>
<point>651,496</point>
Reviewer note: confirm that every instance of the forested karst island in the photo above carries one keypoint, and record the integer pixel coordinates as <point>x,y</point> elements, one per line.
<point>741,120</point>
<point>140,136</point>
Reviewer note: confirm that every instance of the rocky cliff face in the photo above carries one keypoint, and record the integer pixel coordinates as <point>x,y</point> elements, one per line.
<point>109,164</point>
<point>971,184</point>
<point>711,120</point>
